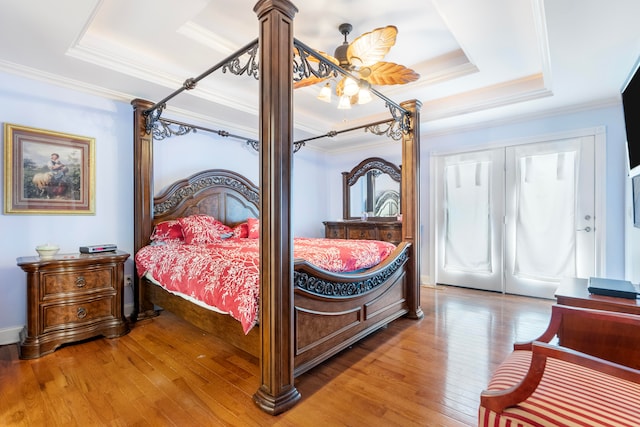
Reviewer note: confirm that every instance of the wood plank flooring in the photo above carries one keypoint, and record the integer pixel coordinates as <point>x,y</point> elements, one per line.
<point>165,372</point>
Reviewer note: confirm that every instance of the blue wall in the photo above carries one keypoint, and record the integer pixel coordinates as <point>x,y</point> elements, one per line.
<point>35,104</point>
<point>317,176</point>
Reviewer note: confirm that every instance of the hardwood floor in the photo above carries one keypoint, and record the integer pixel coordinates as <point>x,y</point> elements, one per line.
<point>166,372</point>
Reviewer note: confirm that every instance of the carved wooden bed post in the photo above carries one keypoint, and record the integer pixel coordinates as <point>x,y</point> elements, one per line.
<point>143,196</point>
<point>277,392</point>
<point>410,205</point>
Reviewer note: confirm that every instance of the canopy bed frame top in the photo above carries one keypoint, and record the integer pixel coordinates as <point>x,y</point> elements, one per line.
<point>300,325</point>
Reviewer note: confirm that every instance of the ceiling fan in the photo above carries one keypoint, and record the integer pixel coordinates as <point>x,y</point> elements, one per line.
<point>362,58</point>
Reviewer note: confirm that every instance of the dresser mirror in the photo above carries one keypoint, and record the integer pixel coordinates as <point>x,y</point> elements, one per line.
<point>373,186</point>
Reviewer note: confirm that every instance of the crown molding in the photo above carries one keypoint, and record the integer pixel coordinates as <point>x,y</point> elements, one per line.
<point>57,80</point>
<point>207,38</point>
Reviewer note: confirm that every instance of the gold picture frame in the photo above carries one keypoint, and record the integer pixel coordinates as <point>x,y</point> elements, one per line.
<point>48,172</point>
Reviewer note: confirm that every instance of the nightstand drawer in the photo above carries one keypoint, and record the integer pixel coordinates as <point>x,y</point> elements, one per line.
<point>56,283</point>
<point>65,315</point>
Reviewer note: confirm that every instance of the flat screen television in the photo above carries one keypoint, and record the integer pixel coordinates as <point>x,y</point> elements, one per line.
<point>635,192</point>
<point>631,106</point>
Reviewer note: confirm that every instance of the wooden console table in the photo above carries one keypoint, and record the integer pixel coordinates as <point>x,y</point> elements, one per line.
<point>573,292</point>
<point>579,335</point>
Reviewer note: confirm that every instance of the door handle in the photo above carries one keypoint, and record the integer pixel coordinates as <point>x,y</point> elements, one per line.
<point>587,229</point>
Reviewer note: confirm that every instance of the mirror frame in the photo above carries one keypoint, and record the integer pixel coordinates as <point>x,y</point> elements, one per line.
<point>350,178</point>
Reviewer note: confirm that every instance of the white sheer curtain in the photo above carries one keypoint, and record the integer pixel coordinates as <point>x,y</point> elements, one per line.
<point>545,215</point>
<point>467,218</point>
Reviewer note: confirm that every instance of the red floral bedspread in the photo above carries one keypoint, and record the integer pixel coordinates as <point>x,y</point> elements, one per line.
<point>225,275</point>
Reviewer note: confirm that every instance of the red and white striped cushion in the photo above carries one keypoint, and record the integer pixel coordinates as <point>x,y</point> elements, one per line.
<point>568,395</point>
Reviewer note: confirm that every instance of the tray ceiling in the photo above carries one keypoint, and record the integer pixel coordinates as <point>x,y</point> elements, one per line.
<point>479,61</point>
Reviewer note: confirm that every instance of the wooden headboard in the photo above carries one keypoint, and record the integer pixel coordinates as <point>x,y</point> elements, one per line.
<point>227,196</point>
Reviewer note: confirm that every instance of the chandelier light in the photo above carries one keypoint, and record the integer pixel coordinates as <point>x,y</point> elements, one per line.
<point>350,87</point>
<point>353,93</point>
<point>344,103</point>
<point>364,95</point>
<point>362,61</point>
<point>325,93</point>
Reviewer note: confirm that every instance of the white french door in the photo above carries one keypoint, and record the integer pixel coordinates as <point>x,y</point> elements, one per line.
<point>470,206</point>
<point>516,219</point>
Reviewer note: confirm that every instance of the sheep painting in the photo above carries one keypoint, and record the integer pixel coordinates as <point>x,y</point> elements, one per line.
<point>48,187</point>
<point>48,171</point>
<point>52,178</point>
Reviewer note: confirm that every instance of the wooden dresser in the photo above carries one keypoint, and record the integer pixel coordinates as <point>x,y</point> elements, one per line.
<point>388,231</point>
<point>70,298</point>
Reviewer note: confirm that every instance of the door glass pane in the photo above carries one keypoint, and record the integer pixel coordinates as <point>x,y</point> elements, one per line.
<point>467,217</point>
<point>545,216</point>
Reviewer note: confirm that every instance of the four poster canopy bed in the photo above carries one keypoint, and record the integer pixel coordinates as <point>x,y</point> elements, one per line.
<point>295,302</point>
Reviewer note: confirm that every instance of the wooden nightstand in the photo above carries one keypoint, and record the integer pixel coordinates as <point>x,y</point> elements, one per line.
<point>70,298</point>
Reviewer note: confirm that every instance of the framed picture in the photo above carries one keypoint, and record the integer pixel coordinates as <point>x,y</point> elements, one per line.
<point>47,172</point>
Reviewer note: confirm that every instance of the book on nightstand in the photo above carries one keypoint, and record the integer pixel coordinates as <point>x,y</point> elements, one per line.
<point>613,288</point>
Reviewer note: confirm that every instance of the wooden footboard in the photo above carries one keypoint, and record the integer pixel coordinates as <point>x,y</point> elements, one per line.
<point>332,311</point>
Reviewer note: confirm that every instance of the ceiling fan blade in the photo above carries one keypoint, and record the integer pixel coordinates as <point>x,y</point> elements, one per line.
<point>371,47</point>
<point>325,55</point>
<point>389,73</point>
<point>311,80</point>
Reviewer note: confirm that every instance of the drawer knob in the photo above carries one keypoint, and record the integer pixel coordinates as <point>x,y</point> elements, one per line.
<point>82,313</point>
<point>80,281</point>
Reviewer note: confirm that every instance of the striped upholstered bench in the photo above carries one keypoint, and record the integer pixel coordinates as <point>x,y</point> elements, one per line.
<point>540,384</point>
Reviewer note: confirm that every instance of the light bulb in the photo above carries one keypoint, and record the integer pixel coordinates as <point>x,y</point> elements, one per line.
<point>325,93</point>
<point>345,102</point>
<point>364,96</point>
<point>350,87</point>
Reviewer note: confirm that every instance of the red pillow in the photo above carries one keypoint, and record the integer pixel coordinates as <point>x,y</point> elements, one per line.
<point>202,229</point>
<point>241,231</point>
<point>167,231</point>
<point>254,228</point>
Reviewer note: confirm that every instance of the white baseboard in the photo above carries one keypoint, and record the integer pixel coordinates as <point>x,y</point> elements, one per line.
<point>10,335</point>
<point>425,280</point>
<point>128,309</point>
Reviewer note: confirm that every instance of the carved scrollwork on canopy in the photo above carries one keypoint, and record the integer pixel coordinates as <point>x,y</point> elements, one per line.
<point>249,65</point>
<point>390,129</point>
<point>162,129</point>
